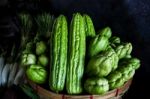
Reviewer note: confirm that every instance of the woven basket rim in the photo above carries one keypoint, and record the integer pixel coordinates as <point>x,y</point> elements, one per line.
<point>112,93</point>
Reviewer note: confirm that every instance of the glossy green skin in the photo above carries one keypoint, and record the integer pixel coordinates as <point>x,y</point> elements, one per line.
<point>37,74</point>
<point>89,27</point>
<point>115,79</point>
<point>105,32</point>
<point>123,50</point>
<point>28,59</point>
<point>100,65</point>
<point>76,55</point>
<point>97,44</point>
<point>96,86</point>
<point>58,54</point>
<point>43,60</point>
<point>40,48</point>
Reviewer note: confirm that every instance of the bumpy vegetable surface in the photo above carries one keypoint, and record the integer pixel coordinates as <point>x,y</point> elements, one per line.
<point>76,55</point>
<point>96,85</point>
<point>100,65</point>
<point>115,79</point>
<point>105,32</point>
<point>89,27</point>
<point>135,62</point>
<point>127,71</point>
<point>111,53</point>
<point>37,74</point>
<point>115,40</point>
<point>97,44</point>
<point>123,50</point>
<point>58,54</point>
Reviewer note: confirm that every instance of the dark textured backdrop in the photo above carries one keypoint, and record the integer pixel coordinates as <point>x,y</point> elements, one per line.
<point>129,19</point>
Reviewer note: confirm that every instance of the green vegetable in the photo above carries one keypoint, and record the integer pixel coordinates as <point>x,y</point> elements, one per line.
<point>97,44</point>
<point>123,50</point>
<point>40,47</point>
<point>127,71</point>
<point>37,74</point>
<point>115,40</point>
<point>89,27</point>
<point>96,85</point>
<point>117,84</point>
<point>111,53</point>
<point>127,57</point>
<point>28,59</point>
<point>135,62</point>
<point>105,32</point>
<point>128,75</point>
<point>26,27</point>
<point>29,47</point>
<point>76,55</point>
<point>44,23</point>
<point>58,54</point>
<point>115,79</point>
<point>43,60</point>
<point>100,65</point>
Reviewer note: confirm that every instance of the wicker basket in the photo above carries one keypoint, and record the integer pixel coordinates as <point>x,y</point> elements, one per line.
<point>114,94</point>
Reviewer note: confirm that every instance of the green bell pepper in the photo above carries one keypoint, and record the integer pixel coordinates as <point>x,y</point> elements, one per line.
<point>37,74</point>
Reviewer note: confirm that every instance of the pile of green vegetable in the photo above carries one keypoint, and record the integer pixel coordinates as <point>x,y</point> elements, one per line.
<point>70,45</point>
<point>34,56</point>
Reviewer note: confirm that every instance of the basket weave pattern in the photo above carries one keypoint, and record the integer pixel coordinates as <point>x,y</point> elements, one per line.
<point>114,94</point>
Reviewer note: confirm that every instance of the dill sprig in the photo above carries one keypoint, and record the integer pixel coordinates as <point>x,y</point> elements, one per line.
<point>44,24</point>
<point>26,27</point>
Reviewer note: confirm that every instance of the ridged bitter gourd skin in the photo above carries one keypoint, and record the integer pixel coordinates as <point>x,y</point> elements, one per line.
<point>58,54</point>
<point>77,48</point>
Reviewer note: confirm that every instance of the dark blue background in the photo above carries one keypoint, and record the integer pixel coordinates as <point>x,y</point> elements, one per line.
<point>129,19</point>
